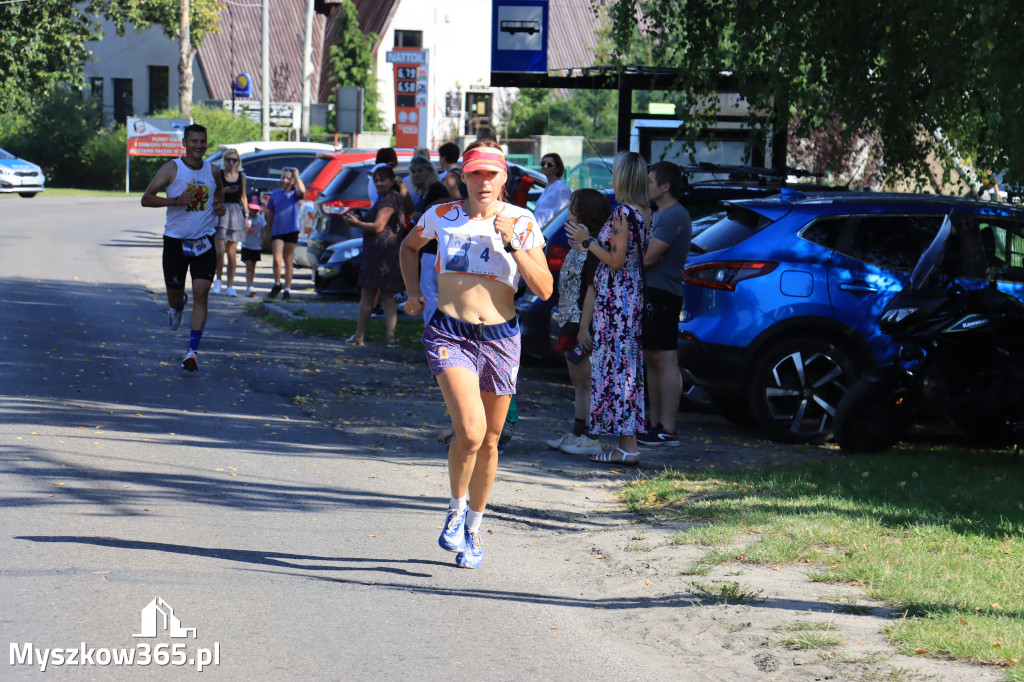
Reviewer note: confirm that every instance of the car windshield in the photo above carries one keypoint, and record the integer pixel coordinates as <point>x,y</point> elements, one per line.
<point>738,224</point>
<point>4,154</point>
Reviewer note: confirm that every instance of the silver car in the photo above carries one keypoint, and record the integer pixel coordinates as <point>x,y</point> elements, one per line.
<point>18,175</point>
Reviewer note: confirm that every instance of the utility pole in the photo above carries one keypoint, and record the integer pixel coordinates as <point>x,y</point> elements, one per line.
<point>307,70</point>
<point>185,62</point>
<point>265,72</point>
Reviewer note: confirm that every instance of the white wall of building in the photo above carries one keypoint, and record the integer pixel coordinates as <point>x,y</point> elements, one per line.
<point>130,57</point>
<point>458,35</point>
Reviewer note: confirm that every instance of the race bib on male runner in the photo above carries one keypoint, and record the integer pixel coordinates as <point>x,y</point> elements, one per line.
<point>195,247</point>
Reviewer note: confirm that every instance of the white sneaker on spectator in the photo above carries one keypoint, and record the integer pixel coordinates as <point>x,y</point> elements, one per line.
<point>557,443</point>
<point>232,292</point>
<point>584,445</point>
<point>217,286</point>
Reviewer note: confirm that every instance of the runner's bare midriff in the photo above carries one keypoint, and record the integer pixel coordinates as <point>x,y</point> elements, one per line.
<point>475,299</point>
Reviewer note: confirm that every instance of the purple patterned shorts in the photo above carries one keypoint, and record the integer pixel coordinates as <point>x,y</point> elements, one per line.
<point>489,350</point>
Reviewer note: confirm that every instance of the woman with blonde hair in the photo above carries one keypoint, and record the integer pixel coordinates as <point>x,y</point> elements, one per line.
<point>232,226</point>
<point>617,383</point>
<point>472,341</point>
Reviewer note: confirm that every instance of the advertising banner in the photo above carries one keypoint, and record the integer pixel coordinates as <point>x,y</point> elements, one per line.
<point>155,136</point>
<point>411,73</point>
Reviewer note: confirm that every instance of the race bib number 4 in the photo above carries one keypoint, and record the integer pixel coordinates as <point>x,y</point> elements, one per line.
<point>195,247</point>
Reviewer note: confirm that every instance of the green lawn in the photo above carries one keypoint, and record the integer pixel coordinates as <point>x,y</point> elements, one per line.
<point>937,533</point>
<point>408,331</point>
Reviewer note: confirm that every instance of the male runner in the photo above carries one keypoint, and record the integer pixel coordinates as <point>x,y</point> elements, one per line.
<point>194,198</point>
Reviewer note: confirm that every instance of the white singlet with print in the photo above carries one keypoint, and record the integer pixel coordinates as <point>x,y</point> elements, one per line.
<point>468,246</point>
<point>195,219</point>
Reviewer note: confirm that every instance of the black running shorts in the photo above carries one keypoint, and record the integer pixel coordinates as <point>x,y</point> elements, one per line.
<point>177,264</point>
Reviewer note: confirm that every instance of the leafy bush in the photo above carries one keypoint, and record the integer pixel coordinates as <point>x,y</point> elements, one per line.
<point>53,134</point>
<point>222,126</point>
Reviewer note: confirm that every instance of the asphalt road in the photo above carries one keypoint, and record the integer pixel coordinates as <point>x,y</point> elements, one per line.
<point>295,549</point>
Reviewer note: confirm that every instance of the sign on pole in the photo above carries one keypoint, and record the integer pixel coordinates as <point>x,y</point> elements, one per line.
<point>411,70</point>
<point>156,136</point>
<point>153,137</point>
<point>243,85</point>
<point>519,36</point>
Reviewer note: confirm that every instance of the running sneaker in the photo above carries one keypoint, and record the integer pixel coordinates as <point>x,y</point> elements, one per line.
<point>286,296</point>
<point>473,555</point>
<point>231,291</point>
<point>250,292</point>
<point>583,445</point>
<point>274,291</point>
<point>174,314</point>
<point>217,286</point>
<point>191,361</point>
<point>557,443</point>
<point>659,436</point>
<point>453,537</point>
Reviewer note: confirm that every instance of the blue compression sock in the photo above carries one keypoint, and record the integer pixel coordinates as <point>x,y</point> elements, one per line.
<point>193,342</point>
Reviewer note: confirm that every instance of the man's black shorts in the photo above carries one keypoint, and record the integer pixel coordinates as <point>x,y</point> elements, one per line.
<point>661,319</point>
<point>177,264</point>
<point>290,238</point>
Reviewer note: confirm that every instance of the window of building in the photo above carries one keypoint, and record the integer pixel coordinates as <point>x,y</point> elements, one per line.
<point>123,107</point>
<point>96,88</point>
<point>159,82</point>
<point>408,38</point>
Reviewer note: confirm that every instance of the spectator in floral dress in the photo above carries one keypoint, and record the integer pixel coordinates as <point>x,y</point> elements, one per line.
<point>379,272</point>
<point>617,384</point>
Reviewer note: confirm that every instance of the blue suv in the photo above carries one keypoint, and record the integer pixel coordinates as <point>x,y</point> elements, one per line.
<point>783,295</point>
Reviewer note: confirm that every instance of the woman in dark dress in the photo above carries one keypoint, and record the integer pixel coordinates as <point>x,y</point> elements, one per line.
<point>379,274</point>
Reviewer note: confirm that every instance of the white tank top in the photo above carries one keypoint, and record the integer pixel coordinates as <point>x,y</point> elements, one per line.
<point>196,219</point>
<point>469,246</point>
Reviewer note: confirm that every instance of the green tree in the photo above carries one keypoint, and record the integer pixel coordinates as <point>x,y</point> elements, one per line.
<point>351,64</point>
<point>905,70</point>
<point>43,42</point>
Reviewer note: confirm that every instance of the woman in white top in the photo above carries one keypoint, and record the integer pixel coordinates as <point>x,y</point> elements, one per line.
<point>557,194</point>
<point>472,340</point>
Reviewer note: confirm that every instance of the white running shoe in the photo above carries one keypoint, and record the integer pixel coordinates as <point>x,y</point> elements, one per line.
<point>191,361</point>
<point>174,315</point>
<point>250,292</point>
<point>217,286</point>
<point>232,292</point>
<point>557,443</point>
<point>584,445</point>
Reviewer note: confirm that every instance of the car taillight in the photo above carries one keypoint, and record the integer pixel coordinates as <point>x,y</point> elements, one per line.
<point>556,256</point>
<point>343,206</point>
<point>726,274</point>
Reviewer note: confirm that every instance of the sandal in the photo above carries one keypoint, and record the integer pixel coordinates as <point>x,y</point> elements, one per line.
<point>352,340</point>
<point>391,343</point>
<point>629,459</point>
